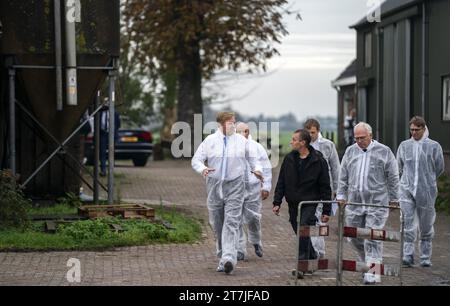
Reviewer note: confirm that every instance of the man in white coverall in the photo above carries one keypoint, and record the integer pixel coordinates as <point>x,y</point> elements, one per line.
<point>255,192</point>
<point>328,150</point>
<point>369,174</point>
<point>226,154</point>
<point>420,163</point>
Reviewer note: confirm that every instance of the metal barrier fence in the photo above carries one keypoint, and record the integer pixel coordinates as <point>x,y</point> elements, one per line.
<point>340,264</point>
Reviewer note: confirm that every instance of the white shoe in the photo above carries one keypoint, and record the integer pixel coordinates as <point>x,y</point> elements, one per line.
<point>371,279</point>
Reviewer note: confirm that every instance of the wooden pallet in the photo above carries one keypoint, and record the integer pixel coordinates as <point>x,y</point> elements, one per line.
<point>126,211</point>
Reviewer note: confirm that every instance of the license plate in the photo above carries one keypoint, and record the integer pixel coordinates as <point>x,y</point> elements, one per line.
<point>129,139</point>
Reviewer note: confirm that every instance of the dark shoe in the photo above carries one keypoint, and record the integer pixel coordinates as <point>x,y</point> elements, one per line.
<point>258,250</point>
<point>102,173</point>
<point>425,263</point>
<point>300,274</point>
<point>240,256</point>
<point>228,267</point>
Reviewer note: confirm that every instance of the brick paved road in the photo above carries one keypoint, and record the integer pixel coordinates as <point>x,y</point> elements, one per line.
<point>194,264</point>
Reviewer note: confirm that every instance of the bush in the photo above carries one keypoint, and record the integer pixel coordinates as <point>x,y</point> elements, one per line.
<point>86,230</point>
<point>101,229</point>
<point>150,230</point>
<point>13,205</point>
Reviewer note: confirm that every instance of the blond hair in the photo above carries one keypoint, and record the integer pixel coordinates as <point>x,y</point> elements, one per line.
<point>224,116</point>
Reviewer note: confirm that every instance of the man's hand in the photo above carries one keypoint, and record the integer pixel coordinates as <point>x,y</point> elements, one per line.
<point>207,171</point>
<point>325,218</point>
<point>341,202</point>
<point>276,210</point>
<point>264,194</point>
<point>258,175</point>
<point>394,204</point>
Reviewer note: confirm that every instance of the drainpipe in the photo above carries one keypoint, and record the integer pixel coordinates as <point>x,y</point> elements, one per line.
<point>58,55</point>
<point>72,10</point>
<point>424,57</point>
<point>379,35</point>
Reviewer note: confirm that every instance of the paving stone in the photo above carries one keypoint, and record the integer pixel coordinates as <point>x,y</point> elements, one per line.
<point>194,264</point>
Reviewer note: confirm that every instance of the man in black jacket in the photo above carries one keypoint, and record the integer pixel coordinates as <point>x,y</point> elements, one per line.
<point>303,177</point>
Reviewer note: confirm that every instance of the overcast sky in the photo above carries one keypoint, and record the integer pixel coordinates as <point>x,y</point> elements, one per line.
<point>312,55</point>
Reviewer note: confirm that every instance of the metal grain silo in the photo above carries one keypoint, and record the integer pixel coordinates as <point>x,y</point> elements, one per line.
<point>28,39</point>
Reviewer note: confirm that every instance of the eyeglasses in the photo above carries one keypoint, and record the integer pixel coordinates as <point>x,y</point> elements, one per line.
<point>360,138</point>
<point>415,130</point>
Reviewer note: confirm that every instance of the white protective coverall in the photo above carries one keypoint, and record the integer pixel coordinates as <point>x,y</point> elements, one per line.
<point>225,187</point>
<point>328,150</point>
<point>253,202</point>
<point>368,176</point>
<point>420,163</point>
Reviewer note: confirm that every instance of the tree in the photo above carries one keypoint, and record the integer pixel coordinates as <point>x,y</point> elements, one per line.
<point>167,103</point>
<point>136,101</point>
<point>194,38</point>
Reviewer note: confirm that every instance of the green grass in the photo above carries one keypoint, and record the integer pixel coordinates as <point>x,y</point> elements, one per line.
<point>443,199</point>
<point>97,234</point>
<point>190,230</point>
<point>56,210</point>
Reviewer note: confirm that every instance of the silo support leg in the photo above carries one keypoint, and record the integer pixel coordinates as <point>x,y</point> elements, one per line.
<point>12,120</point>
<point>112,94</point>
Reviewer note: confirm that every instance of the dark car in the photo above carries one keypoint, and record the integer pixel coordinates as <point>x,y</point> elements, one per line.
<point>133,143</point>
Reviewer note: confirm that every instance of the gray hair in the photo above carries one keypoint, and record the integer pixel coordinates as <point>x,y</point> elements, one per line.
<point>364,125</point>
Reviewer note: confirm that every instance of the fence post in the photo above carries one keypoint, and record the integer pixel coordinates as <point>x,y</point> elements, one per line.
<point>339,255</point>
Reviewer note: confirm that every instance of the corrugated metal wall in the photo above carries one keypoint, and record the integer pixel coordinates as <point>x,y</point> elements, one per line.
<point>396,97</point>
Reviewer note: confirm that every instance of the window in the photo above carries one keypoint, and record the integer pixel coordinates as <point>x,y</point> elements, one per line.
<point>368,50</point>
<point>446,98</point>
<point>362,104</point>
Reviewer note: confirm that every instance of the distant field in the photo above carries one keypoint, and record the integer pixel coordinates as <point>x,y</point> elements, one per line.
<point>285,139</point>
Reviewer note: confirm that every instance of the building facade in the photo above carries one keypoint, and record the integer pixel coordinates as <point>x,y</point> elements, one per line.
<point>403,69</point>
<point>345,85</point>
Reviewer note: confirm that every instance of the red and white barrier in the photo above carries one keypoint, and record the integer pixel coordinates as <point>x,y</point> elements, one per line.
<point>377,269</point>
<point>314,231</point>
<point>348,265</point>
<point>372,234</point>
<point>316,264</point>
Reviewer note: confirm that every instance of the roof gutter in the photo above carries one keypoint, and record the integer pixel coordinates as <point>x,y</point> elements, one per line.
<point>344,82</point>
<point>384,14</point>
